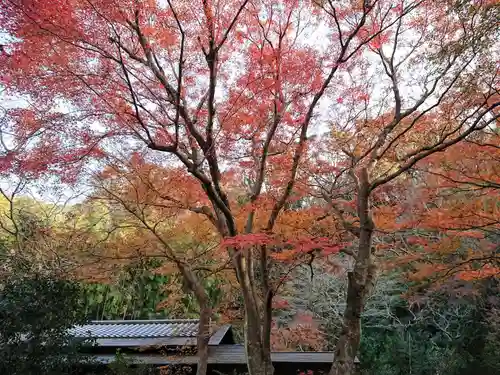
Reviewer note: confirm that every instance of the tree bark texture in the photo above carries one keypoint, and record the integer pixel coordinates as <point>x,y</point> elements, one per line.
<point>360,285</point>
<point>257,317</point>
<point>203,335</point>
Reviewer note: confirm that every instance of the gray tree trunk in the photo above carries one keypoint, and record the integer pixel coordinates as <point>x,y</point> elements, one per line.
<point>360,285</point>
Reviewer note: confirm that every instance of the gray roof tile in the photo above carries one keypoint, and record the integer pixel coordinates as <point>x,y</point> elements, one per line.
<point>137,329</point>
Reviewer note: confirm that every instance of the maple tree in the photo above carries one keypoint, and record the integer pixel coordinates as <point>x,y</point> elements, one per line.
<point>158,206</point>
<point>233,91</point>
<point>156,216</point>
<point>376,142</point>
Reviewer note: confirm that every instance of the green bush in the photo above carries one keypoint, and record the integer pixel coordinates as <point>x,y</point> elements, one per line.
<point>35,314</point>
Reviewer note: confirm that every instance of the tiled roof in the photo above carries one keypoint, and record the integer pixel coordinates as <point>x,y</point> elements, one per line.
<point>148,333</point>
<point>128,329</point>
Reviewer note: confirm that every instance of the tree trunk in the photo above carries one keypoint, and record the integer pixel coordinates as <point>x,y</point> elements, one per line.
<point>360,285</point>
<point>258,315</point>
<point>350,336</point>
<point>203,338</point>
<point>258,357</point>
